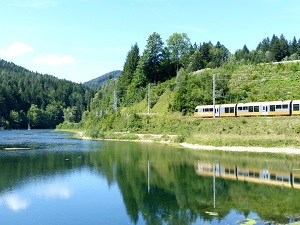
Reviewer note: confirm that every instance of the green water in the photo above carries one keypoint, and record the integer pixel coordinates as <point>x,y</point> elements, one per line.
<point>48,177</point>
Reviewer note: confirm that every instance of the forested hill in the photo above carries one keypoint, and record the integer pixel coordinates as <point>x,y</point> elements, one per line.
<point>41,100</point>
<point>97,82</point>
<point>175,76</point>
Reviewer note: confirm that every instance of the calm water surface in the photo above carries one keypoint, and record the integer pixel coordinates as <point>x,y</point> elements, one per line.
<point>49,178</point>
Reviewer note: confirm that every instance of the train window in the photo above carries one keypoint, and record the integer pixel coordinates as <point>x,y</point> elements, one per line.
<point>285,106</point>
<point>295,107</point>
<point>272,108</point>
<point>208,110</point>
<point>250,108</point>
<point>278,106</point>
<point>256,108</point>
<point>240,108</point>
<point>226,110</point>
<point>245,108</point>
<point>231,109</point>
<point>196,110</point>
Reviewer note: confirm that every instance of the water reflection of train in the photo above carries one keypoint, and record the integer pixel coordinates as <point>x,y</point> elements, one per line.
<point>275,108</point>
<point>281,178</point>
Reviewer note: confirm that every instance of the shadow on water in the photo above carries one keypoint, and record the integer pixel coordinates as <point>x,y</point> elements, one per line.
<point>163,184</point>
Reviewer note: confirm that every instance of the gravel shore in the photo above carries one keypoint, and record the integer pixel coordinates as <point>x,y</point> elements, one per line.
<point>243,149</point>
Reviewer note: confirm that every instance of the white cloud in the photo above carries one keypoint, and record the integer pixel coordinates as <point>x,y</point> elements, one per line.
<point>54,60</point>
<point>16,49</point>
<point>15,203</point>
<point>55,191</point>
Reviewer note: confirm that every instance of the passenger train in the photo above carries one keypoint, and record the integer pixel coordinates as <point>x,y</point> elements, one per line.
<point>275,108</point>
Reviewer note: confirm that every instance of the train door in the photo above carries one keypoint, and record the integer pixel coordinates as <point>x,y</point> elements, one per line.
<point>217,113</point>
<point>265,110</point>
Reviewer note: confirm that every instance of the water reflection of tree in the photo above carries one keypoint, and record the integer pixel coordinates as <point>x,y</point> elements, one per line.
<point>177,194</point>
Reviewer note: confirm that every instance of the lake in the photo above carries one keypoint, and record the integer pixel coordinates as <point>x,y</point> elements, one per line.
<point>51,178</point>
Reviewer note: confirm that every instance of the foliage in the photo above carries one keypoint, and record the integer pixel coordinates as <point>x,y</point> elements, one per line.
<point>178,45</point>
<point>152,56</point>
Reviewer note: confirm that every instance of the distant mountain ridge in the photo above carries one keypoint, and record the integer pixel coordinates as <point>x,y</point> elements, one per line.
<point>97,82</point>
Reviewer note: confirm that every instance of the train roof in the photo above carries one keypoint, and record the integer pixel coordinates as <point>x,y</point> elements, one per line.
<point>264,103</point>
<point>206,106</point>
<point>228,105</point>
<point>211,106</point>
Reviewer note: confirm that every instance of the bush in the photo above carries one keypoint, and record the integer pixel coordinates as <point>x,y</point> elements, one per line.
<point>94,133</point>
<point>179,139</point>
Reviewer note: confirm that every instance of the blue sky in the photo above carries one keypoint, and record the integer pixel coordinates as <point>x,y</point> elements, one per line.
<point>82,39</point>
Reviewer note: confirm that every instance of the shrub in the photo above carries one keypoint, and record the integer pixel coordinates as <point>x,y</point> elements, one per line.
<point>94,133</point>
<point>179,139</point>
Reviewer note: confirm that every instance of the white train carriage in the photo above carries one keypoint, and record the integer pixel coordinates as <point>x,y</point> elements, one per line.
<point>227,110</point>
<point>275,108</point>
<point>206,111</point>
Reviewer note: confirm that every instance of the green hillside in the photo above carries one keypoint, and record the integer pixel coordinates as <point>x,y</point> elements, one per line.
<point>43,101</point>
<point>163,119</point>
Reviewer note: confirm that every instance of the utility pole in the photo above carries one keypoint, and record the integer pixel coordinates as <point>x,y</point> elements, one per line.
<point>214,94</point>
<point>149,98</point>
<point>115,101</point>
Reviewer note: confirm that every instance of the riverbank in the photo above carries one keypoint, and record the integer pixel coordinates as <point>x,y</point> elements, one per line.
<point>242,149</point>
<point>265,132</point>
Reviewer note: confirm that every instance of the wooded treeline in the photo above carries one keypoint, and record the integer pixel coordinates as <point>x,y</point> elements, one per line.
<point>41,100</point>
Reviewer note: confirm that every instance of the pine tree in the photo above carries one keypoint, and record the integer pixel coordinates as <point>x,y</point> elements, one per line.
<point>129,68</point>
